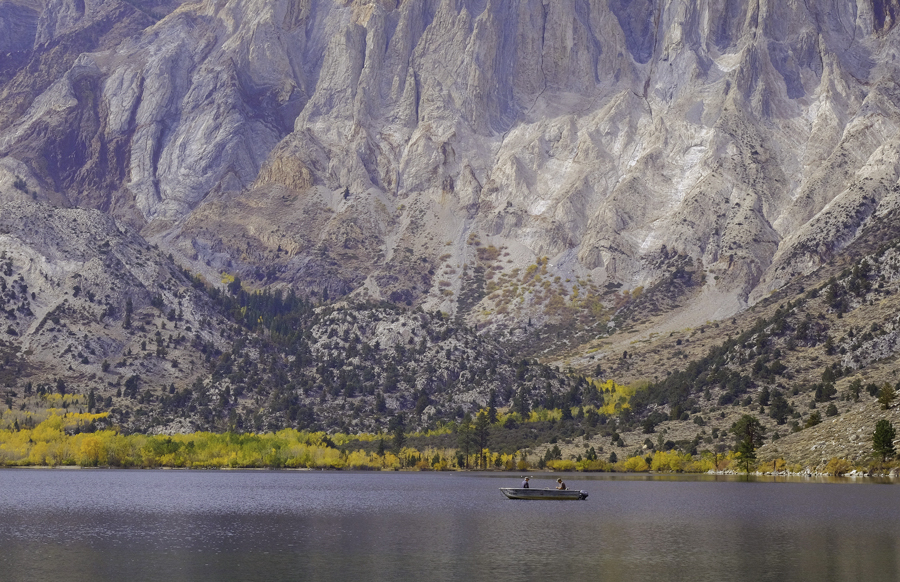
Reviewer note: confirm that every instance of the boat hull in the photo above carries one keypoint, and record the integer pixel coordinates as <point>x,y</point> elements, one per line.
<point>543,494</point>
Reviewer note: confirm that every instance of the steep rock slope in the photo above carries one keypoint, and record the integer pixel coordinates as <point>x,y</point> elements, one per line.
<point>357,147</point>
<point>90,308</point>
<point>78,293</point>
<point>808,360</point>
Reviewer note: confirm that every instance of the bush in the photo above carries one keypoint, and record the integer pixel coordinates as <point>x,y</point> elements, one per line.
<point>670,461</point>
<point>838,467</point>
<point>813,420</point>
<point>596,465</point>
<point>561,465</point>
<point>886,396</point>
<point>634,464</point>
<point>824,392</point>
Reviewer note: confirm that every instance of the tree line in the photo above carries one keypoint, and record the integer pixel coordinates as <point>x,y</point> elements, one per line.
<point>70,439</point>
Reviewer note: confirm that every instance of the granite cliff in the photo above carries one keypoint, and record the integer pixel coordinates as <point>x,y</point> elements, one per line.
<point>348,146</point>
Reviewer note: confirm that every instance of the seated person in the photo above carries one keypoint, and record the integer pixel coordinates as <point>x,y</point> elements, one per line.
<point>525,483</point>
<point>561,484</point>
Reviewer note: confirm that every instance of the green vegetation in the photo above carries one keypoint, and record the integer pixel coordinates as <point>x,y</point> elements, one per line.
<point>410,382</point>
<point>883,439</point>
<point>60,438</point>
<point>756,358</point>
<point>748,434</point>
<point>886,396</point>
<point>71,439</point>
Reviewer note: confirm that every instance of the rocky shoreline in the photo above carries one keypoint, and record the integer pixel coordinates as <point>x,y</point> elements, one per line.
<point>812,472</point>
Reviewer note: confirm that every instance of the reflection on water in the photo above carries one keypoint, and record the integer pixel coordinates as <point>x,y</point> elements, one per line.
<point>260,525</point>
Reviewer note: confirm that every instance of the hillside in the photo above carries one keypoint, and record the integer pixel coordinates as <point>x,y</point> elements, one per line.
<point>92,308</point>
<point>822,346</point>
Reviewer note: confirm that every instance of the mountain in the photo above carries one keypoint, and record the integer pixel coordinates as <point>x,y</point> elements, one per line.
<point>90,308</point>
<point>566,180</point>
<point>358,147</point>
<point>809,360</point>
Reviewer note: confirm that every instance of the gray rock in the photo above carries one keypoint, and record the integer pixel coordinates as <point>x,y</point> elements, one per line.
<point>598,134</point>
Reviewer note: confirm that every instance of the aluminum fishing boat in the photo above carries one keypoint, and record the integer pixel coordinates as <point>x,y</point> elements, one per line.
<point>543,494</point>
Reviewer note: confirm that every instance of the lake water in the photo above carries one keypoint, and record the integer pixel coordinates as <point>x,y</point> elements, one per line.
<point>102,525</point>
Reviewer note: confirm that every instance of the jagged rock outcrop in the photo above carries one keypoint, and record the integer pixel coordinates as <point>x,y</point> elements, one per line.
<point>78,291</point>
<point>356,146</point>
<point>18,27</point>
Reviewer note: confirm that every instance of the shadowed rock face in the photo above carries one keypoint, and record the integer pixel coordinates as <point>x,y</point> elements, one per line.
<point>18,27</point>
<point>348,145</point>
<point>638,20</point>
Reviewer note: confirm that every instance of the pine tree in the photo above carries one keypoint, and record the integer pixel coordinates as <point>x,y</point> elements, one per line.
<point>126,321</point>
<point>749,435</point>
<point>886,396</point>
<point>779,408</point>
<point>399,430</point>
<point>883,439</point>
<point>464,437</point>
<point>482,431</point>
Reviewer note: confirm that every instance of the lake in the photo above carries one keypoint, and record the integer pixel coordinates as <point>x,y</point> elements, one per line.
<point>136,525</point>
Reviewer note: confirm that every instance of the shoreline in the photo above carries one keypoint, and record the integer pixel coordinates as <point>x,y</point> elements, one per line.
<point>891,476</point>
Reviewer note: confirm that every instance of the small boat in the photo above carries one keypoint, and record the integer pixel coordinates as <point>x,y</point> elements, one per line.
<point>543,494</point>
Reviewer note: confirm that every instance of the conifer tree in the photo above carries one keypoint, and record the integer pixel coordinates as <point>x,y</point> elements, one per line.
<point>482,431</point>
<point>886,396</point>
<point>883,439</point>
<point>748,433</point>
<point>492,406</point>
<point>464,437</point>
<point>399,430</point>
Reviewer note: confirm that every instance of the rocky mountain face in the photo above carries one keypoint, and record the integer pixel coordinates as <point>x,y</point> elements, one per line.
<point>356,147</point>
<point>89,307</point>
<point>809,361</point>
<point>78,295</point>
<point>545,173</point>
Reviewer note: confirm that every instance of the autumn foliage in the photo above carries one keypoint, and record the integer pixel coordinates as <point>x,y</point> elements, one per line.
<point>57,441</point>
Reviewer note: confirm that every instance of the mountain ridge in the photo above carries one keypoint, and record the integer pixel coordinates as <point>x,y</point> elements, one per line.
<point>550,177</point>
<point>742,137</point>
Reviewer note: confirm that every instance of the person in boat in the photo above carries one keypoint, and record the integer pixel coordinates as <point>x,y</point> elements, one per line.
<point>560,485</point>
<point>525,483</point>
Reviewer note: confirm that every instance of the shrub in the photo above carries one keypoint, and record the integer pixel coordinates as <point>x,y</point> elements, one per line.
<point>595,465</point>
<point>813,420</point>
<point>670,461</point>
<point>561,465</point>
<point>886,396</point>
<point>634,464</point>
<point>837,466</point>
